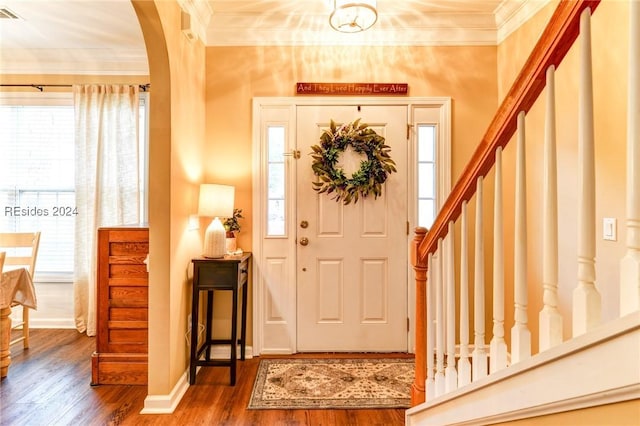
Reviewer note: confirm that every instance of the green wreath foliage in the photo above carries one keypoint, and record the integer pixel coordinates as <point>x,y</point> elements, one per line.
<point>373,171</point>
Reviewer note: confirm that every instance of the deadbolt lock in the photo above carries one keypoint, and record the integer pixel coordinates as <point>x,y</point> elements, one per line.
<point>304,224</point>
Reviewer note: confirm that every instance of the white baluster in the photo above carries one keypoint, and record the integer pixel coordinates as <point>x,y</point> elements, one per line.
<point>464,366</point>
<point>586,299</point>
<point>630,264</point>
<point>479,355</point>
<point>430,384</point>
<point>440,384</point>
<point>549,317</point>
<point>451,375</point>
<point>520,334</point>
<point>497,346</point>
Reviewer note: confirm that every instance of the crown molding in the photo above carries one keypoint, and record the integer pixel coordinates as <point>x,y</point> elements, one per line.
<point>232,27</point>
<point>74,61</point>
<point>511,15</point>
<point>301,23</point>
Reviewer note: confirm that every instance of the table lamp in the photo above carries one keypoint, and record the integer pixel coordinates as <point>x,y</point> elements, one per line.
<point>215,201</point>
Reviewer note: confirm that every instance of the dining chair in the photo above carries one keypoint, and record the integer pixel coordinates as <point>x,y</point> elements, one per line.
<point>21,250</point>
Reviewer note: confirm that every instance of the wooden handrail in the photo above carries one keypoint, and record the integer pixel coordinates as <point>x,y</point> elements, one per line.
<point>553,45</point>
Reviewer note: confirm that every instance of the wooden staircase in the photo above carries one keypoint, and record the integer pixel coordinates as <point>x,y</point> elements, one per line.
<point>535,370</point>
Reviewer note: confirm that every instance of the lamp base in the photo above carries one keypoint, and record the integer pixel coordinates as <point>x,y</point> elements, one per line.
<point>214,240</point>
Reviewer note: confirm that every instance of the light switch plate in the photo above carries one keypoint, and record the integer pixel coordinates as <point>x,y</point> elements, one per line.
<point>609,231</point>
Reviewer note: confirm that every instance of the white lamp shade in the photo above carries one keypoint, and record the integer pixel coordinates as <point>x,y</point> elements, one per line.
<point>216,200</point>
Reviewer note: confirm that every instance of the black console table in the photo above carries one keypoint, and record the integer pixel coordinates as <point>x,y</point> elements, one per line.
<point>227,273</point>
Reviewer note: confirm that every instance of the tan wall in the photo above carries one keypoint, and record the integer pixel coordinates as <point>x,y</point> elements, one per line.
<point>187,66</point>
<point>237,74</point>
<point>610,47</point>
<point>175,171</point>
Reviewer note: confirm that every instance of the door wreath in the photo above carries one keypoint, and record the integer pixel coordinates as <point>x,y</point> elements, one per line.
<point>373,171</point>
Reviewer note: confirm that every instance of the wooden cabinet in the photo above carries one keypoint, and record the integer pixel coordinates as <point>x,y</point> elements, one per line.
<point>122,307</point>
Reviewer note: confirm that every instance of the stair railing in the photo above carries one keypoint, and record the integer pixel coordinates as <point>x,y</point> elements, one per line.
<point>432,251</point>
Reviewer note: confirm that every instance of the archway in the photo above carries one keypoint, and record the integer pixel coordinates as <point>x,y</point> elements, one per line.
<point>159,194</point>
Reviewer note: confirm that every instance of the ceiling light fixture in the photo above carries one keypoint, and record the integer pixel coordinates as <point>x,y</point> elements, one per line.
<point>352,16</point>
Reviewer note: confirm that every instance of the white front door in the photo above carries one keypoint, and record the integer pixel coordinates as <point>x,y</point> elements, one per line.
<point>352,274</point>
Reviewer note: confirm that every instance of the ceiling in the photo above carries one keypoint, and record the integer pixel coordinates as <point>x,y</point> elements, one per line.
<point>103,36</point>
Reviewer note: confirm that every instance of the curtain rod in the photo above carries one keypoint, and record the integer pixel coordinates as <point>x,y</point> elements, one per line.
<point>40,87</point>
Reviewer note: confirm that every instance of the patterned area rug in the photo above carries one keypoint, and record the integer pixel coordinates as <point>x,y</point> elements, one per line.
<point>332,383</point>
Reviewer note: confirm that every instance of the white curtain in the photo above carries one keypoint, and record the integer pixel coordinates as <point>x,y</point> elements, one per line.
<point>106,181</point>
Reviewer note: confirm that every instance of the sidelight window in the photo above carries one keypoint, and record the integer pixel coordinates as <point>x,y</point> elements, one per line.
<point>276,206</point>
<point>426,175</point>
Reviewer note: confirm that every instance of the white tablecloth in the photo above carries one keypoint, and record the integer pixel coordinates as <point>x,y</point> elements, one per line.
<point>16,286</point>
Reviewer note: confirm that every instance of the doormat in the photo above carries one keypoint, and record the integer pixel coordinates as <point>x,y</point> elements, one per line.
<point>332,383</point>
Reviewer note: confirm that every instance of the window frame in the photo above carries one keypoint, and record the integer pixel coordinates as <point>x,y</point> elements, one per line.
<point>65,98</point>
<point>437,115</point>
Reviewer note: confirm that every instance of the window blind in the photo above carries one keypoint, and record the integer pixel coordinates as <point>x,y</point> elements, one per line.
<point>37,179</point>
<point>37,174</point>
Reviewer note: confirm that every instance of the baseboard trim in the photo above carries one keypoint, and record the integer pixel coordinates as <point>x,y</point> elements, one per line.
<point>166,404</point>
<point>61,323</point>
<point>271,351</point>
<point>222,352</point>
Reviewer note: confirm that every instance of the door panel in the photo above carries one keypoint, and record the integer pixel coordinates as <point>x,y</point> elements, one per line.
<point>352,274</point>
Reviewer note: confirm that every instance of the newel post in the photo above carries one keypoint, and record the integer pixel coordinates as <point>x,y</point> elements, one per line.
<point>420,268</point>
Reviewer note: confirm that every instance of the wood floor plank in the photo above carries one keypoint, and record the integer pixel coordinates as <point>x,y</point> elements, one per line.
<point>48,384</point>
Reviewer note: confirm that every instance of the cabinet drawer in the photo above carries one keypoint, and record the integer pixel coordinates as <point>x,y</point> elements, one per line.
<point>219,275</point>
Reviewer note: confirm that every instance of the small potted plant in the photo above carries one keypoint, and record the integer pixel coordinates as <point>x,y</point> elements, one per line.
<point>232,226</point>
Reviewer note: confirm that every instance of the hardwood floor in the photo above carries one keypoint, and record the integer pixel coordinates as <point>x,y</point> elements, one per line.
<point>49,385</point>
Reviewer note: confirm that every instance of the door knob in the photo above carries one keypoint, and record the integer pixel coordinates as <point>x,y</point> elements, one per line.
<point>304,241</point>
